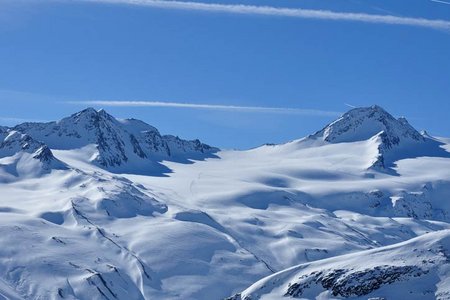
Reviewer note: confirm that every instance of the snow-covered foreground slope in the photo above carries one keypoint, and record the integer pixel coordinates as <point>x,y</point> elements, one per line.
<point>415,269</point>
<point>209,225</point>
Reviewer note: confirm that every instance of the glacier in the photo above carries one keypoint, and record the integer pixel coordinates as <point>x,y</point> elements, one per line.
<point>95,207</point>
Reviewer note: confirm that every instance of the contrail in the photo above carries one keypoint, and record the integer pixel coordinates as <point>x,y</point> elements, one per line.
<point>439,1</point>
<point>285,12</point>
<point>235,108</point>
<point>349,105</point>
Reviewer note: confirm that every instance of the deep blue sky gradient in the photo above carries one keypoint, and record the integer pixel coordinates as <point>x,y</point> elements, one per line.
<point>56,51</point>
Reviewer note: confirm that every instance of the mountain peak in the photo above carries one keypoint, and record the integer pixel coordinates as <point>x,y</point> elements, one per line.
<point>90,115</point>
<point>120,143</point>
<point>392,136</point>
<point>87,110</point>
<point>364,123</point>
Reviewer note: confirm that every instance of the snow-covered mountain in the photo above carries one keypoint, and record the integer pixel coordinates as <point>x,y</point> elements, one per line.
<point>118,145</point>
<point>93,218</point>
<point>23,156</point>
<point>395,138</point>
<point>361,124</point>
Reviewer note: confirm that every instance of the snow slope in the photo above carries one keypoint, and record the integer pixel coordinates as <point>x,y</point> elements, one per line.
<point>21,156</point>
<point>415,269</point>
<point>198,223</point>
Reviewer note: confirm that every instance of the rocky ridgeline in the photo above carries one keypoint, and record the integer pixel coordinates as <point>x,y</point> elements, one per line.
<point>118,141</point>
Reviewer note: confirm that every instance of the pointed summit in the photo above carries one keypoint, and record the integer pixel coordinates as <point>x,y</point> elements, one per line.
<point>394,138</point>
<point>119,144</point>
<point>361,124</point>
<point>88,110</point>
<point>89,116</point>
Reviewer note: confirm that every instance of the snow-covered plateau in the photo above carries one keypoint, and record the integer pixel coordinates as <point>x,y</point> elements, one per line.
<point>94,207</point>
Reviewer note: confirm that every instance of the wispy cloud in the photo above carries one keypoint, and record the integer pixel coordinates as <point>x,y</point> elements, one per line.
<point>234,108</point>
<point>439,1</point>
<point>285,12</point>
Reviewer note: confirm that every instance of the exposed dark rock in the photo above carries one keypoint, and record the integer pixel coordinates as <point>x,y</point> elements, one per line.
<point>347,283</point>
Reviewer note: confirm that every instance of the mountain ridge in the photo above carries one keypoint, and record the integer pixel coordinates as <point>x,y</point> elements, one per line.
<point>131,145</point>
<point>213,226</point>
<point>118,141</point>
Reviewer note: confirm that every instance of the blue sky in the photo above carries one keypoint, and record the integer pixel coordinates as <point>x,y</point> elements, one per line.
<point>56,53</point>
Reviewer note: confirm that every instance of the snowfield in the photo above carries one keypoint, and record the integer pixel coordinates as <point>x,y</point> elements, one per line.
<point>93,207</point>
<point>415,269</point>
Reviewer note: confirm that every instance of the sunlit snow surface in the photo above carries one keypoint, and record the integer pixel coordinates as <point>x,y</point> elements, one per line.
<point>210,228</point>
<point>416,269</point>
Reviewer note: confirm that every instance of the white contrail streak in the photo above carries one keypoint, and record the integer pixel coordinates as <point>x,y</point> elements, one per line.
<point>349,105</point>
<point>284,12</point>
<point>236,108</point>
<point>439,1</point>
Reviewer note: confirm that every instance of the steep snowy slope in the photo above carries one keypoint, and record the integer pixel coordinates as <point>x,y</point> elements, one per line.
<point>416,269</point>
<point>118,145</point>
<point>211,227</point>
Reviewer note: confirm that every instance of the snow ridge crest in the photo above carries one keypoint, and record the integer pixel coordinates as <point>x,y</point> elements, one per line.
<point>119,142</point>
<point>364,123</point>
